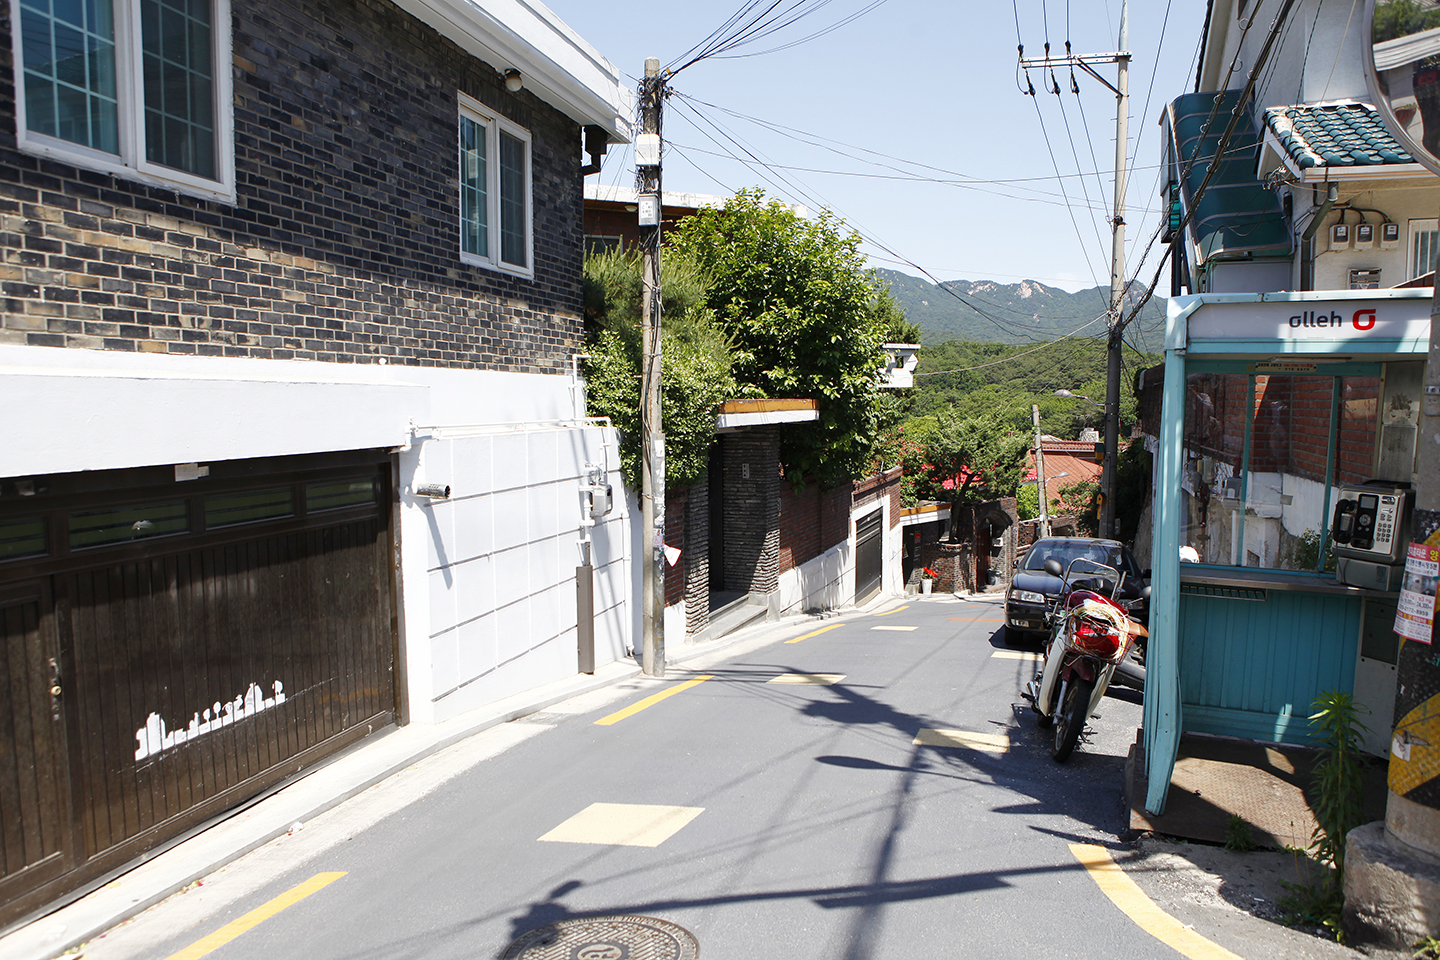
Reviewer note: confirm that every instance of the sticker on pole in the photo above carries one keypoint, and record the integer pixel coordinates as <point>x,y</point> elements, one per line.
<point>1415,615</point>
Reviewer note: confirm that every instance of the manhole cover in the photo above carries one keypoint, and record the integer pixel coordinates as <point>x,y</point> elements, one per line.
<point>605,938</point>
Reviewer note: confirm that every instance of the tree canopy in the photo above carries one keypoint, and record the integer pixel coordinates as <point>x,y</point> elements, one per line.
<point>805,321</point>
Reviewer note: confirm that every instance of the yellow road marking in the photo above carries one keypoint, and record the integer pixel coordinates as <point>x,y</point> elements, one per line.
<point>816,633</point>
<point>896,610</point>
<point>256,917</point>
<point>965,739</point>
<point>1131,900</point>
<point>886,626</point>
<point>623,824</point>
<point>819,679</point>
<point>1014,655</point>
<point>650,701</point>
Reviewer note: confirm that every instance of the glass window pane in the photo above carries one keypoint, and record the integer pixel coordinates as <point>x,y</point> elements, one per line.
<point>474,215</point>
<point>1291,435</point>
<point>23,538</point>
<point>1355,442</point>
<point>230,509</point>
<point>1215,419</point>
<point>69,78</point>
<point>1423,236</point>
<point>332,495</point>
<point>512,201</point>
<point>179,89</point>
<point>97,528</point>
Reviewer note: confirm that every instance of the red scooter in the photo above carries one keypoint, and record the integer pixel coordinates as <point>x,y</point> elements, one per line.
<point>1090,635</point>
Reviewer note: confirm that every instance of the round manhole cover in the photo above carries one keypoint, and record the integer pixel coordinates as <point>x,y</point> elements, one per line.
<point>605,938</point>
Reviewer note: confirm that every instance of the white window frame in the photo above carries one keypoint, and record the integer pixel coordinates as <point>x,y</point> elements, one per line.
<point>1417,227</point>
<point>494,124</point>
<point>131,162</point>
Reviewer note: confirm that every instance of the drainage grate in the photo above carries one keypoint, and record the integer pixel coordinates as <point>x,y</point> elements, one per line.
<point>606,938</point>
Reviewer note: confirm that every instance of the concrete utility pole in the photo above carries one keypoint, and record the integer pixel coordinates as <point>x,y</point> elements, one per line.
<point>1040,473</point>
<point>1115,340</point>
<point>652,457</point>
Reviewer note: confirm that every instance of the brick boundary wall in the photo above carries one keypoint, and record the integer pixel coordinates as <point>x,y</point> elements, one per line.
<point>343,241</point>
<point>752,504</point>
<point>696,558</point>
<point>676,531</point>
<point>812,521</point>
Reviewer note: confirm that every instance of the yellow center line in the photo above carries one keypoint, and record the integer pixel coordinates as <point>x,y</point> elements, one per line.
<point>650,701</point>
<point>1131,900</point>
<point>896,610</point>
<point>815,633</point>
<point>256,917</point>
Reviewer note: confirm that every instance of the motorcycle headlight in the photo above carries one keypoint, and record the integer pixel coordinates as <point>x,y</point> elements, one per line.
<point>1029,596</point>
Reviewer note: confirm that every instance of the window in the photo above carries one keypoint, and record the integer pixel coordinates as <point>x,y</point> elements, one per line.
<point>494,190</point>
<point>1264,454</point>
<point>1423,238</point>
<point>135,87</point>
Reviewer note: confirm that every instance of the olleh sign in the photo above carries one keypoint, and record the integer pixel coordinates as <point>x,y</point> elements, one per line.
<point>1362,320</point>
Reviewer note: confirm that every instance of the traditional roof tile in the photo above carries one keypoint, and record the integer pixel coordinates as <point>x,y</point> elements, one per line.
<point>1335,135</point>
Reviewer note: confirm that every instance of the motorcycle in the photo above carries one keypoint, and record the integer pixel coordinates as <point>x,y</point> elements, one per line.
<point>1090,635</point>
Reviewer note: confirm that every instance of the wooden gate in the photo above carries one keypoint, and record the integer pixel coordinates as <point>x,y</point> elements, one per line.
<point>177,648</point>
<point>869,556</point>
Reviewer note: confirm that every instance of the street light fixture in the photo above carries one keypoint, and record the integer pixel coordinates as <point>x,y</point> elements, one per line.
<point>1075,396</point>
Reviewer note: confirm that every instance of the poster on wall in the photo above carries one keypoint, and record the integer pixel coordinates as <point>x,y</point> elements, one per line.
<point>1415,616</point>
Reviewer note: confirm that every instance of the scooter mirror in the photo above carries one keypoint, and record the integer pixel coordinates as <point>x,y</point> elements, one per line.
<point>1145,592</point>
<point>1053,568</point>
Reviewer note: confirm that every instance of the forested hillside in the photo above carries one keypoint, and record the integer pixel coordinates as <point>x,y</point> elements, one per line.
<point>977,379</point>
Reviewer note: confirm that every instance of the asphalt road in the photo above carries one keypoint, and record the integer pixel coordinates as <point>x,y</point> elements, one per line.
<point>779,819</point>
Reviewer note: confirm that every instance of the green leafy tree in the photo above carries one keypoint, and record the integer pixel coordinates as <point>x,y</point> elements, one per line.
<point>796,300</point>
<point>695,373</point>
<point>975,459</point>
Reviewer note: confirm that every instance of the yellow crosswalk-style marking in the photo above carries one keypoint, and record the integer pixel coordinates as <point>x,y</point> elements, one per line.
<point>816,633</point>
<point>1131,900</point>
<point>819,679</point>
<point>885,626</point>
<point>1015,655</point>
<point>256,917</point>
<point>623,824</point>
<point>964,739</point>
<point>650,701</point>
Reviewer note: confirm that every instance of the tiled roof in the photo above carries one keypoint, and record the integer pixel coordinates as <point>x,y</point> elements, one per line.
<point>1335,135</point>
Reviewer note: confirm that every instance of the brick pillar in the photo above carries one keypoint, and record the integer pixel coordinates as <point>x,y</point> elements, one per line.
<point>697,549</point>
<point>752,510</point>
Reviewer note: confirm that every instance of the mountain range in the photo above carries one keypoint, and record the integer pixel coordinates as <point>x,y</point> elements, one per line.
<point>1024,312</point>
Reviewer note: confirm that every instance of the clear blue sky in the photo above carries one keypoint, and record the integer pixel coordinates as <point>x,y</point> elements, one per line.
<point>933,85</point>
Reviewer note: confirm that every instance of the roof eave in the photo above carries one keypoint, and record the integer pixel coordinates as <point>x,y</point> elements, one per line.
<point>556,64</point>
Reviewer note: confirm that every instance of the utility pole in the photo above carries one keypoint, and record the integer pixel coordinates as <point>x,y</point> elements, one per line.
<point>1115,338</point>
<point>1040,473</point>
<point>652,457</point>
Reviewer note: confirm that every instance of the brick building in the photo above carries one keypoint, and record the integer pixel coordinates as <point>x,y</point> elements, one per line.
<point>295,452</point>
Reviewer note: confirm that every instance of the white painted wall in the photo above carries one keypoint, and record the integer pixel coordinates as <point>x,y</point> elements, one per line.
<point>487,578</point>
<point>826,582</point>
<point>497,612</point>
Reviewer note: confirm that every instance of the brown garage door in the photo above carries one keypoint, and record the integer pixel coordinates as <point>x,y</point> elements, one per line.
<point>174,647</point>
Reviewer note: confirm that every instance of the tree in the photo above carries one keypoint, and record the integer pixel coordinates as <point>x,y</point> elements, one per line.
<point>796,300</point>
<point>695,375</point>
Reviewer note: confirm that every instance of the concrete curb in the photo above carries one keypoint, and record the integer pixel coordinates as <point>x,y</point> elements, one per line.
<point>122,894</point>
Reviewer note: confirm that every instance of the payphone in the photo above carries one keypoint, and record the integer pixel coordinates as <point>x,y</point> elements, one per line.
<point>1370,532</point>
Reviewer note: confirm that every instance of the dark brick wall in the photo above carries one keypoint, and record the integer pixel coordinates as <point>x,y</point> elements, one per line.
<point>343,242</point>
<point>812,521</point>
<point>676,536</point>
<point>697,557</point>
<point>751,504</point>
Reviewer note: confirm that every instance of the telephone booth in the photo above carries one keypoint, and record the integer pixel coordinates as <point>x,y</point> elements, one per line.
<point>1285,466</point>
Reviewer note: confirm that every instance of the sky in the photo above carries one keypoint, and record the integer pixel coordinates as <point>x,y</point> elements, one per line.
<point>907,122</point>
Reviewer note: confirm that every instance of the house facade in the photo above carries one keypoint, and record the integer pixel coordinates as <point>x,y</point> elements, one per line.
<point>295,446</point>
<point>1302,241</point>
